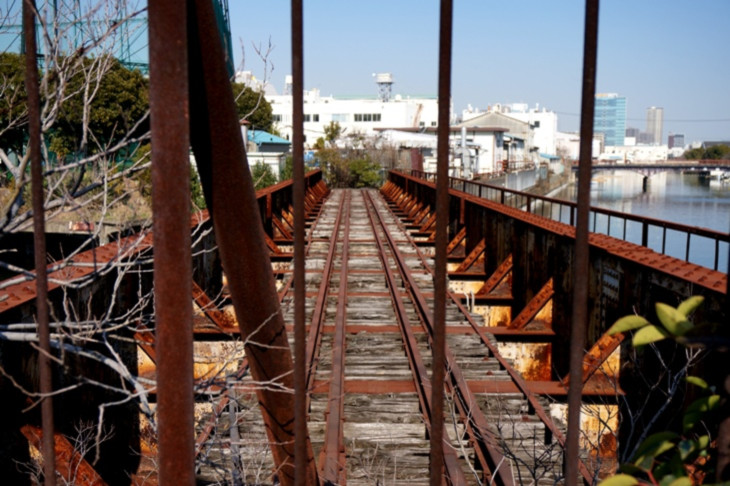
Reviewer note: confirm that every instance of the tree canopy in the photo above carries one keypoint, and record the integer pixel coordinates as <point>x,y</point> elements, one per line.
<point>252,106</point>
<point>716,152</point>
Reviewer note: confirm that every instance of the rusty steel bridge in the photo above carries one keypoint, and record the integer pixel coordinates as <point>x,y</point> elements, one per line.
<point>432,330</point>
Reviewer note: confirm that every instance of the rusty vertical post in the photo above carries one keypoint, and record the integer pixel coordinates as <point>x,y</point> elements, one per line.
<point>229,192</point>
<point>39,241</point>
<point>442,221</point>
<point>171,229</point>
<point>579,320</point>
<point>300,399</point>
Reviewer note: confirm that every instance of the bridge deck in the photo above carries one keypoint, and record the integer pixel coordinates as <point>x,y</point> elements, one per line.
<point>369,377</point>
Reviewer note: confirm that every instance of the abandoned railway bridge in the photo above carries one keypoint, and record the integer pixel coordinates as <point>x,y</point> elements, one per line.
<point>369,292</point>
<point>430,331</point>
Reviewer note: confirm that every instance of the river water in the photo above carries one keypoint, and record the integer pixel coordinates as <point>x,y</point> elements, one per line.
<point>685,198</point>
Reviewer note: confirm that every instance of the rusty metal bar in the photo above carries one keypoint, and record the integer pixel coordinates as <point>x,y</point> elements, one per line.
<point>579,320</point>
<point>171,229</point>
<point>39,242</point>
<point>300,392</point>
<point>334,466</point>
<point>442,220</point>
<point>228,186</point>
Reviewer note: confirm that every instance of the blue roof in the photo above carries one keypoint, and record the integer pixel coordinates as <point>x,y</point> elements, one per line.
<point>259,136</point>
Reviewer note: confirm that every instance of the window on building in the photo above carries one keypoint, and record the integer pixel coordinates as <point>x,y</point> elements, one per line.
<point>307,117</point>
<point>367,117</point>
<point>376,117</point>
<point>315,117</point>
<point>340,117</point>
<point>277,118</point>
<point>433,123</point>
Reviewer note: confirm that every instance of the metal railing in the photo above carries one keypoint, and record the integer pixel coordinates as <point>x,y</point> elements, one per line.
<point>693,244</point>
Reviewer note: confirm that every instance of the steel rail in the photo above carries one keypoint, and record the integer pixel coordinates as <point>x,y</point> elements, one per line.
<point>480,433</point>
<point>515,376</point>
<point>333,469</point>
<point>417,366</point>
<point>320,306</point>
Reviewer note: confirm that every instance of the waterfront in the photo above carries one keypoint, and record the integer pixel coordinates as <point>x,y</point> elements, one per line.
<point>684,198</point>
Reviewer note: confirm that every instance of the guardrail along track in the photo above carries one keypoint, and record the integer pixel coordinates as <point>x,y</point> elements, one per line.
<point>368,305</point>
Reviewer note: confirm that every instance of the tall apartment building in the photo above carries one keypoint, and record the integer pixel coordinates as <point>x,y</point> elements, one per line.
<point>610,118</point>
<point>655,124</point>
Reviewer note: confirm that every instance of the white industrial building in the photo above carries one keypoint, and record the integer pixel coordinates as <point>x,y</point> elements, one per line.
<point>356,116</point>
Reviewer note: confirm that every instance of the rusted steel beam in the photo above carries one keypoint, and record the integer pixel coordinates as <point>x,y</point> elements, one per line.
<point>333,450</point>
<point>224,322</point>
<point>473,257</point>
<point>173,260</point>
<point>500,274</point>
<point>448,460</point>
<point>282,229</point>
<point>456,241</point>
<point>579,319</point>
<point>69,464</point>
<point>39,240</point>
<point>227,183</point>
<point>597,355</point>
<point>536,304</point>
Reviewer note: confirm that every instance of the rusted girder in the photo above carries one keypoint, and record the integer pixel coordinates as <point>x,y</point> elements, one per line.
<point>228,187</point>
<point>536,304</point>
<point>69,464</point>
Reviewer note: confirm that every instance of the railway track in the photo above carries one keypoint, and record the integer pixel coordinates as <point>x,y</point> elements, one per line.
<point>369,294</point>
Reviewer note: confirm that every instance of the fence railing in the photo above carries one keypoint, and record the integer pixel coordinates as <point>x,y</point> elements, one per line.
<point>702,246</point>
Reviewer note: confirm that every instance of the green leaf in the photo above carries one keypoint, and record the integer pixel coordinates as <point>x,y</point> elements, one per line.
<point>697,381</point>
<point>627,323</point>
<point>685,481</point>
<point>688,306</point>
<point>648,334</point>
<point>674,321</point>
<point>653,446</point>
<point>620,480</point>
<point>697,409</point>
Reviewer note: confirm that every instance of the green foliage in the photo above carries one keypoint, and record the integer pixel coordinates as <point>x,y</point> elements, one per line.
<point>13,106</point>
<point>287,172</point>
<point>364,173</point>
<point>121,100</point>
<point>667,457</point>
<point>716,152</point>
<point>252,106</point>
<point>197,198</point>
<point>263,176</point>
<point>332,131</point>
<point>675,323</point>
<point>355,169</point>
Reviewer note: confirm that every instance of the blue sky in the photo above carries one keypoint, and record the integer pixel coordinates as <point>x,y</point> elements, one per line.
<point>671,53</point>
